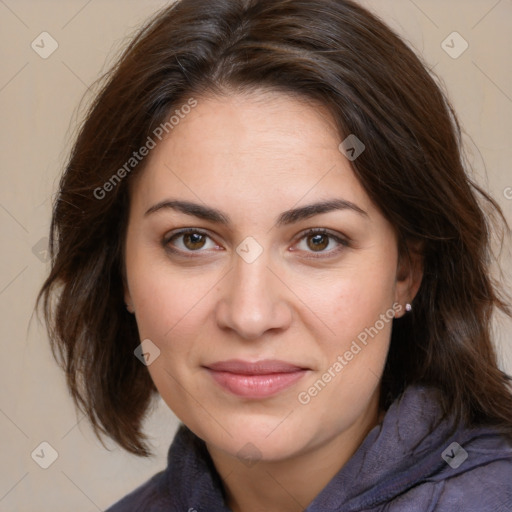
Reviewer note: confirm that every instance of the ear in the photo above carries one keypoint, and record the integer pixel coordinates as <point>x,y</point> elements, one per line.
<point>409,274</point>
<point>127,294</point>
<point>128,300</point>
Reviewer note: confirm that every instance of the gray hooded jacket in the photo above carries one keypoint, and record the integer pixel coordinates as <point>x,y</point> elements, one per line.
<point>411,462</point>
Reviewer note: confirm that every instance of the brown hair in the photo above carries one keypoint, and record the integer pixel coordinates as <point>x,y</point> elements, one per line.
<point>330,51</point>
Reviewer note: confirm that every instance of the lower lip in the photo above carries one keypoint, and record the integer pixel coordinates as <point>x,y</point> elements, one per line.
<point>256,386</point>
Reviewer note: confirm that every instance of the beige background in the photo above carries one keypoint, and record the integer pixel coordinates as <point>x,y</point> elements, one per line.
<point>39,99</point>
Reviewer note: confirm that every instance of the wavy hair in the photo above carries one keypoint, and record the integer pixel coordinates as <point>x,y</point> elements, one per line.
<point>330,51</point>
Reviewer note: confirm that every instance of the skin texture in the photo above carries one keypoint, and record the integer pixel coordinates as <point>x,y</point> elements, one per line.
<point>253,157</point>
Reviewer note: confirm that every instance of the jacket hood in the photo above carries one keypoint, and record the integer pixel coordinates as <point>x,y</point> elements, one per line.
<point>408,454</point>
<point>414,444</point>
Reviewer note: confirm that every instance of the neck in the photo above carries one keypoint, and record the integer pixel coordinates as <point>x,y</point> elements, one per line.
<point>290,485</point>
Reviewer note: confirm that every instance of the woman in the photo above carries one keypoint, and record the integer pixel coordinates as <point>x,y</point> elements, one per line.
<point>266,220</point>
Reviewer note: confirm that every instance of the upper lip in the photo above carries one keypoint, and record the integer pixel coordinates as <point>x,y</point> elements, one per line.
<point>262,367</point>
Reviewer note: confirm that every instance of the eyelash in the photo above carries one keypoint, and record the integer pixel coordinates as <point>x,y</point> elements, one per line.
<point>343,242</point>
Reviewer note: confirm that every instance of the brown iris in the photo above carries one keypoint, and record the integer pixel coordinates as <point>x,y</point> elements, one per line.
<point>320,241</point>
<point>197,240</point>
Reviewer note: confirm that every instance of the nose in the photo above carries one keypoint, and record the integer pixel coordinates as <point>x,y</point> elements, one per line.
<point>253,300</point>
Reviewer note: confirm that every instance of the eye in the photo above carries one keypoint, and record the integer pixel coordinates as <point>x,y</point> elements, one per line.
<point>188,240</point>
<point>315,240</point>
<point>318,240</point>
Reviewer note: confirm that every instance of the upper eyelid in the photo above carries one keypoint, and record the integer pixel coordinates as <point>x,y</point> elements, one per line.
<point>338,237</point>
<point>185,231</point>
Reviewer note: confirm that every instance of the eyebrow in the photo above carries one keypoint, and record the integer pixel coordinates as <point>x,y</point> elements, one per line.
<point>285,218</point>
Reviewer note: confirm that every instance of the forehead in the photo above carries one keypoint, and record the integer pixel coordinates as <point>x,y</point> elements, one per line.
<point>263,150</point>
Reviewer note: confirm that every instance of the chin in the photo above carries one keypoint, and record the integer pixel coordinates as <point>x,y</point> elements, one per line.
<point>260,438</point>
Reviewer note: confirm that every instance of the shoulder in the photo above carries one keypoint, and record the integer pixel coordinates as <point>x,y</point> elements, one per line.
<point>188,477</point>
<point>481,480</point>
<point>487,487</point>
<point>484,487</point>
<point>151,496</point>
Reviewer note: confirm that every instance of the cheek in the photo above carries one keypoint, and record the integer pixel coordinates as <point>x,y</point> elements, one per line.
<point>166,298</point>
<point>359,313</point>
<point>351,300</point>
<point>170,315</point>
<point>170,312</point>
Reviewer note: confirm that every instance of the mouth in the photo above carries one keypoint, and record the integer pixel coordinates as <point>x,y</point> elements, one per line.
<point>255,380</point>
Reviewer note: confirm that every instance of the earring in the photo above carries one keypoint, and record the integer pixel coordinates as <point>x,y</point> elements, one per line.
<point>129,308</point>
<point>408,307</point>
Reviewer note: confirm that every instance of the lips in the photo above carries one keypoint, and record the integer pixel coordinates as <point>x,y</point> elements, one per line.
<point>255,380</point>
<point>263,367</point>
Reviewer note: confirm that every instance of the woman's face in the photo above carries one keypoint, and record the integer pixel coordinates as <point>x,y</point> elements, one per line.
<point>249,284</point>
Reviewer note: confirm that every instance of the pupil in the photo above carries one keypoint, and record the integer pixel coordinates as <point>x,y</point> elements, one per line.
<point>317,241</point>
<point>195,240</point>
